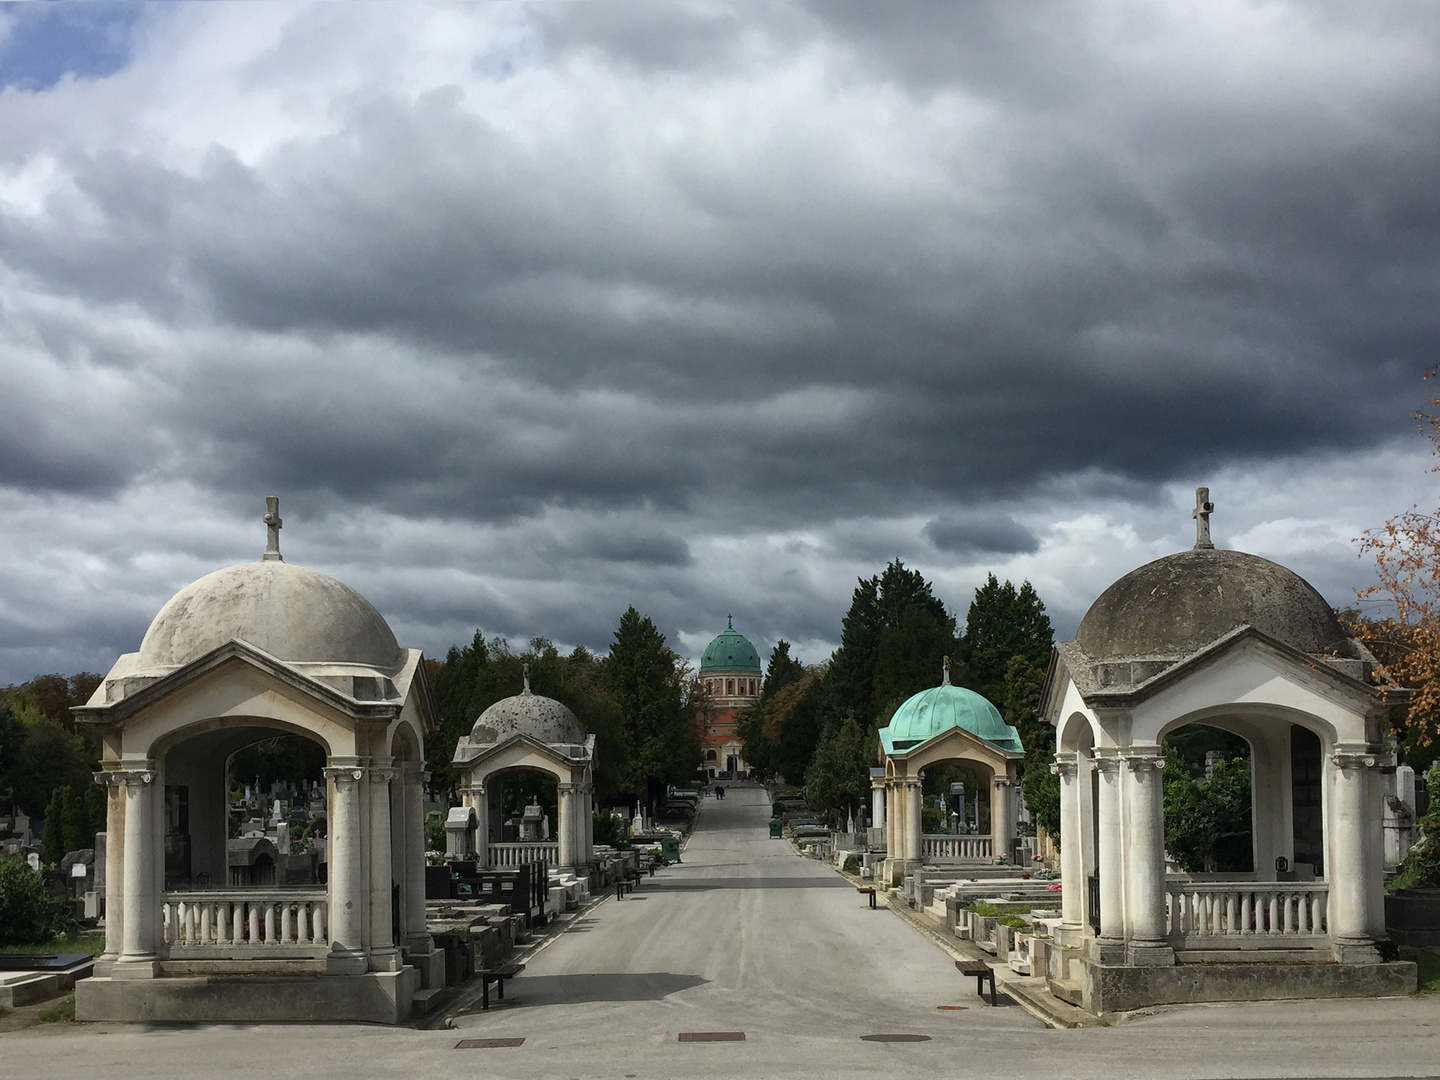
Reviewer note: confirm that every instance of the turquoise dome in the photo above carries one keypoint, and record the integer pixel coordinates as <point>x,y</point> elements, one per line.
<point>730,652</point>
<point>935,711</point>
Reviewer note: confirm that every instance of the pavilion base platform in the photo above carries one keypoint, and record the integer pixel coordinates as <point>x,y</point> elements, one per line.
<point>376,997</point>
<point>1106,990</point>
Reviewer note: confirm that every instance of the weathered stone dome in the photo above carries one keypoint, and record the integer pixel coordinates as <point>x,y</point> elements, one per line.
<point>543,719</point>
<point>291,612</point>
<point>1177,605</point>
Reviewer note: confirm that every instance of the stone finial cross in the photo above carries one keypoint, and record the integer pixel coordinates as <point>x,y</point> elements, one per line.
<point>272,525</point>
<point>945,672</point>
<point>526,671</point>
<point>1203,509</point>
<point>730,620</point>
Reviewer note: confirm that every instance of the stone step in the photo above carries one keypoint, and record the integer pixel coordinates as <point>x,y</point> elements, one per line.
<point>426,1001</point>
<point>1067,991</point>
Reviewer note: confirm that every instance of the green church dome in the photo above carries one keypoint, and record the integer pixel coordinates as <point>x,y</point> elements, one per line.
<point>935,711</point>
<point>730,652</point>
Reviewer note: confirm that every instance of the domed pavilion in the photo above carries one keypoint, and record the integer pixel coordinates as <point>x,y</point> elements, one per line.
<point>525,731</point>
<point>242,655</point>
<point>730,669</point>
<point>946,723</point>
<point>1235,642</point>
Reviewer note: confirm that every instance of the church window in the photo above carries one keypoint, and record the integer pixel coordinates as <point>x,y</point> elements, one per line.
<point>729,687</point>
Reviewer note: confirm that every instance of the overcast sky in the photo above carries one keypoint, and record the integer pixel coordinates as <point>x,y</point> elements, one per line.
<point>529,312</point>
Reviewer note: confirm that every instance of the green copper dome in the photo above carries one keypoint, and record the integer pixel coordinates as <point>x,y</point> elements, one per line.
<point>730,652</point>
<point>935,711</point>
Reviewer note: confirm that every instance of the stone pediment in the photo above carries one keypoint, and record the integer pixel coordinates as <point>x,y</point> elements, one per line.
<point>125,696</point>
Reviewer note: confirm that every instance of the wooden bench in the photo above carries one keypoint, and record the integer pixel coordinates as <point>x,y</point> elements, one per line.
<point>497,974</point>
<point>870,889</point>
<point>982,972</point>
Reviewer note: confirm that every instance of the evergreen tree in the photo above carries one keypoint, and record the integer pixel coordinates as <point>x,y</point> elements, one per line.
<point>1003,622</point>
<point>643,678</point>
<point>837,781</point>
<point>782,671</point>
<point>52,839</point>
<point>12,738</point>
<point>877,605</point>
<point>909,657</point>
<point>794,720</point>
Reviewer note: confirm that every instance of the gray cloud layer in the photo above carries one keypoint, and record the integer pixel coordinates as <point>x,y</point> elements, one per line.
<point>703,305</point>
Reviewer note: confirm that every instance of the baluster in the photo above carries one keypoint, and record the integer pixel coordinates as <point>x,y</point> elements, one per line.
<point>269,922</point>
<point>207,923</point>
<point>165,920</point>
<point>1302,912</point>
<point>286,922</point>
<point>237,922</point>
<point>1232,914</point>
<point>1272,925</point>
<point>1247,912</point>
<point>318,913</point>
<point>253,910</point>
<point>189,923</point>
<point>1291,921</point>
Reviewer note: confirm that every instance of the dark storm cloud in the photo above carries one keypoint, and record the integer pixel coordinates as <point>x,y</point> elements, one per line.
<point>621,281</point>
<point>979,534</point>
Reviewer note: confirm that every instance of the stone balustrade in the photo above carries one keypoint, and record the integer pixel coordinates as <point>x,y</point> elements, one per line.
<point>1246,914</point>
<point>502,856</point>
<point>945,847</point>
<point>244,919</point>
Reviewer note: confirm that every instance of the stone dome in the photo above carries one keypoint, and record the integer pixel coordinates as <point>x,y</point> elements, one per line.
<point>543,719</point>
<point>293,613</point>
<point>935,711</point>
<point>1177,605</point>
<point>731,651</point>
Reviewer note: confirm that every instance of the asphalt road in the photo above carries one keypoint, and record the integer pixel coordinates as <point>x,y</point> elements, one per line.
<point>746,937</point>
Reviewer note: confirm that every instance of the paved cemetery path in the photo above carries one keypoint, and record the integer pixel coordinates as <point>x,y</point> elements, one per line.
<point>747,936</point>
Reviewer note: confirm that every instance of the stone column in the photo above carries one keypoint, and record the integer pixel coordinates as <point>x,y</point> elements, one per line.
<point>1144,794</point>
<point>140,903</point>
<point>587,815</point>
<point>347,891</point>
<point>1002,827</point>
<point>1109,947</point>
<point>1349,912</point>
<point>384,956</point>
<point>913,802</point>
<point>567,826</point>
<point>877,804</point>
<point>413,791</point>
<point>480,800</point>
<point>1072,849</point>
<point>114,871</point>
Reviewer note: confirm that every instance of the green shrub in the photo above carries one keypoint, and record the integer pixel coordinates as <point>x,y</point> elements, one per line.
<point>29,912</point>
<point>1016,921</point>
<point>852,864</point>
<point>980,907</point>
<point>62,1012</point>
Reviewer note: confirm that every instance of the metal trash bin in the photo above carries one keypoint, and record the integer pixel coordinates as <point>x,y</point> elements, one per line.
<point>776,826</point>
<point>670,848</point>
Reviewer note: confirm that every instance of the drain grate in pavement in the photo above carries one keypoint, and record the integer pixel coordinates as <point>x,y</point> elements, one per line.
<point>712,1036</point>
<point>487,1044</point>
<point>895,1038</point>
<point>953,1008</point>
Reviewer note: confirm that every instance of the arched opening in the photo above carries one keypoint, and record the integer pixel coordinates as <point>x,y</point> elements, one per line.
<point>1209,818</point>
<point>513,796</point>
<point>956,798</point>
<point>244,806</point>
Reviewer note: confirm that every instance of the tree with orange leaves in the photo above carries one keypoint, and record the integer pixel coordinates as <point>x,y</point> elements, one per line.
<point>1406,550</point>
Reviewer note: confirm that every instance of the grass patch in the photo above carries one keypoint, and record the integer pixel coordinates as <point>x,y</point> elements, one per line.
<point>1427,962</point>
<point>92,943</point>
<point>62,1012</point>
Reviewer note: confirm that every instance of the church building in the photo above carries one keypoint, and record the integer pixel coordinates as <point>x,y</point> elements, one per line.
<point>730,670</point>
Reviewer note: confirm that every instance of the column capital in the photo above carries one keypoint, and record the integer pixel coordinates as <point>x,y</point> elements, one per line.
<point>908,781</point>
<point>1107,763</point>
<point>345,774</point>
<point>1140,761</point>
<point>1003,781</point>
<point>383,774</point>
<point>127,777</point>
<point>569,789</point>
<point>1348,758</point>
<point>1066,764</point>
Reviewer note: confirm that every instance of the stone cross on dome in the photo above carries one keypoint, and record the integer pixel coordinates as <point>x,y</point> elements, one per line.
<point>945,672</point>
<point>730,621</point>
<point>272,526</point>
<point>526,672</point>
<point>1203,509</point>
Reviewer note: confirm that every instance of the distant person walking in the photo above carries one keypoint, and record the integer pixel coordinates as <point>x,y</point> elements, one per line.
<point>719,792</point>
